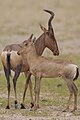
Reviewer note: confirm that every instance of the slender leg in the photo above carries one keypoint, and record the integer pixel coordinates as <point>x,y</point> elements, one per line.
<point>69,84</point>
<point>75,97</point>
<point>67,108</point>
<point>8,85</point>
<point>28,74</point>
<point>17,73</point>
<point>73,89</point>
<point>37,92</point>
<point>31,94</point>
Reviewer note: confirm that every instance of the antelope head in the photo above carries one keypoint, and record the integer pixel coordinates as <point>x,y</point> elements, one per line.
<point>50,39</point>
<point>26,43</point>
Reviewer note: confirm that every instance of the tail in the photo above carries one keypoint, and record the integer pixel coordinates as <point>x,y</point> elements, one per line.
<point>77,74</point>
<point>8,64</point>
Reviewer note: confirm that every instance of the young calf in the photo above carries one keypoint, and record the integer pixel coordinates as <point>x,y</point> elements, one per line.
<point>43,67</point>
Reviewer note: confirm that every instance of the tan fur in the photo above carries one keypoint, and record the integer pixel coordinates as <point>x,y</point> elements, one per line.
<point>15,59</point>
<point>43,67</point>
<point>47,67</point>
<point>3,58</point>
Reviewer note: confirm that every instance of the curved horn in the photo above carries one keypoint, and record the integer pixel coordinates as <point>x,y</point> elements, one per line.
<point>49,22</point>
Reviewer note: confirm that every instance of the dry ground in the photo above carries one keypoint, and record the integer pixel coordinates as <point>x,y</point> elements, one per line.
<point>19,19</point>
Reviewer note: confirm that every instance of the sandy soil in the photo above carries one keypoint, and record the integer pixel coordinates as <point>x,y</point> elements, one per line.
<point>54,113</point>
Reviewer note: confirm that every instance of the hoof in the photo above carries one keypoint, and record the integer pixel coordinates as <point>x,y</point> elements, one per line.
<point>36,107</point>
<point>66,110</point>
<point>22,106</point>
<point>74,110</point>
<point>30,109</point>
<point>32,105</point>
<point>16,104</point>
<point>7,107</point>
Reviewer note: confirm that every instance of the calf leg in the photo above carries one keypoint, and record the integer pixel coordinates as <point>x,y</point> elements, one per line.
<point>73,89</point>
<point>17,73</point>
<point>28,75</point>
<point>70,96</point>
<point>75,97</point>
<point>31,94</point>
<point>8,86</point>
<point>37,92</point>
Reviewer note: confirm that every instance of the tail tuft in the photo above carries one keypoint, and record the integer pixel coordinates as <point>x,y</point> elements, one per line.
<point>77,74</point>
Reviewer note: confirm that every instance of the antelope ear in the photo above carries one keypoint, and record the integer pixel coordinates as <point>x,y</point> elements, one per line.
<point>30,38</point>
<point>43,28</point>
<point>34,39</point>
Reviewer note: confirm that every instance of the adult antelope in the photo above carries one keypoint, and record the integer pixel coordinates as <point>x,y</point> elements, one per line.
<point>42,67</point>
<point>12,61</point>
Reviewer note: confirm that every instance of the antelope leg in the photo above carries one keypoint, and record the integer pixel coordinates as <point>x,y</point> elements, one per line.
<point>8,85</point>
<point>37,92</point>
<point>75,97</point>
<point>73,90</point>
<point>17,73</point>
<point>28,75</point>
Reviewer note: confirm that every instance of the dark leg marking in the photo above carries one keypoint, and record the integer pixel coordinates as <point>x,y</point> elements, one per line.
<point>32,105</point>
<point>22,106</point>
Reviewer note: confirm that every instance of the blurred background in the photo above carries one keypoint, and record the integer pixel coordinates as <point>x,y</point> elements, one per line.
<point>20,18</point>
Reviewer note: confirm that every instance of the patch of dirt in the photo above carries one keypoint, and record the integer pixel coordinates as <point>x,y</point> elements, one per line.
<point>54,113</point>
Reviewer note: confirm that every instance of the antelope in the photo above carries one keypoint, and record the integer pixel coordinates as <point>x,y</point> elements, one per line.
<point>42,67</point>
<point>12,61</point>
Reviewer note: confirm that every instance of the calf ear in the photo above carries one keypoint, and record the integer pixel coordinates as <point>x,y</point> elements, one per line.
<point>34,39</point>
<point>30,38</point>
